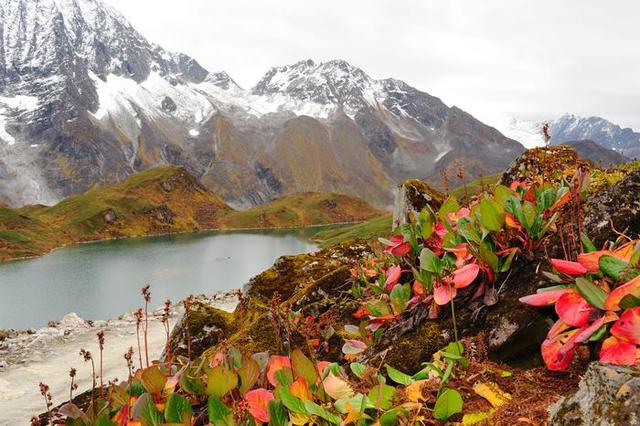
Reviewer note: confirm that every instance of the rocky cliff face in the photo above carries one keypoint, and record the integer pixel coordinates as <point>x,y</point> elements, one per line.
<point>86,99</point>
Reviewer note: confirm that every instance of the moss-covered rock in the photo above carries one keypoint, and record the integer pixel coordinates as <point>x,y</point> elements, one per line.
<point>412,196</point>
<point>200,327</point>
<point>608,395</point>
<point>614,208</point>
<point>552,162</point>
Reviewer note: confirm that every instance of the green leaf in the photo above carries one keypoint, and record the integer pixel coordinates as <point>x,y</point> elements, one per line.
<point>357,401</point>
<point>635,256</point>
<point>390,418</point>
<point>598,334</point>
<point>553,277</point>
<point>249,374</point>
<point>358,369</point>
<point>629,301</point>
<point>487,255</point>
<point>382,395</point>
<point>316,410</point>
<point>429,261</point>
<point>398,376</point>
<point>284,376</point>
<point>587,244</point>
<point>502,194</point>
<point>277,413</point>
<point>591,292</point>
<point>177,409</point>
<point>506,373</point>
<point>150,413</point>
<point>291,401</point>
<point>506,265</point>
<point>302,366</point>
<point>219,413</point>
<point>491,215</point>
<point>153,380</point>
<point>399,297</point>
<point>530,214</point>
<point>104,420</point>
<point>235,357</point>
<point>468,230</point>
<point>426,224</point>
<point>613,267</point>
<point>449,206</point>
<point>448,403</point>
<point>221,381</point>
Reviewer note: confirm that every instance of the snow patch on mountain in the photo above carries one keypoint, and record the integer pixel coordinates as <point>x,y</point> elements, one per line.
<point>528,133</point>
<point>18,104</point>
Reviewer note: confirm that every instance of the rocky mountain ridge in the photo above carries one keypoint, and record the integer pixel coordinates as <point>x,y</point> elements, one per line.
<point>570,128</point>
<point>85,99</point>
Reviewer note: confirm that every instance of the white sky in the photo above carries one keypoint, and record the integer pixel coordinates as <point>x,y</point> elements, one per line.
<point>535,59</point>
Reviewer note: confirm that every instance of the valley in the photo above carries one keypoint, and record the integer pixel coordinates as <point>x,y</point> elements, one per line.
<point>163,200</point>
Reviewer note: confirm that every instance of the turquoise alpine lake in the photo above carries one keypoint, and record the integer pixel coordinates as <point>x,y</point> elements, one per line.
<point>103,280</point>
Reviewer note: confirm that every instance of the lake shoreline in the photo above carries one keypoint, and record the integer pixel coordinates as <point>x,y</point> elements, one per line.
<point>46,355</point>
<point>186,232</point>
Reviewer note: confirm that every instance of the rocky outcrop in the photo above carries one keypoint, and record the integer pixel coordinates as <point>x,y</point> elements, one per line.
<point>608,395</point>
<point>614,208</point>
<point>413,196</point>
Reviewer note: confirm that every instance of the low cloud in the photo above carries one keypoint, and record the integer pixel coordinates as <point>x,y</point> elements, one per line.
<point>534,59</point>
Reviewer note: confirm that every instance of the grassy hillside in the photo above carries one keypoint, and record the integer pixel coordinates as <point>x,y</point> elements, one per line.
<point>160,200</point>
<point>380,226</point>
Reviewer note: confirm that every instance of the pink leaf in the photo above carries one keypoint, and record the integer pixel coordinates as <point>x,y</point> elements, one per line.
<point>353,347</point>
<point>568,267</point>
<point>614,351</point>
<point>258,402</point>
<point>337,388</point>
<point>443,294</point>
<point>573,309</point>
<point>465,275</point>
<point>544,298</point>
<point>627,328</point>
<point>276,363</point>
<point>393,276</point>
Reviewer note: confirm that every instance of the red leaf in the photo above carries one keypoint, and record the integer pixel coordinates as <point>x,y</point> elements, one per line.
<point>321,365</point>
<point>573,309</point>
<point>554,357</point>
<point>613,300</point>
<point>401,250</point>
<point>443,294</point>
<point>465,275</point>
<point>568,267</point>
<point>614,351</point>
<point>418,288</point>
<point>627,328</point>
<point>544,298</point>
<point>258,402</point>
<point>361,312</point>
<point>276,363</point>
<point>557,355</point>
<point>393,275</point>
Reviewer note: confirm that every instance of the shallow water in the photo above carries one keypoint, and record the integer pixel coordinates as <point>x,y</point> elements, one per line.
<point>103,280</point>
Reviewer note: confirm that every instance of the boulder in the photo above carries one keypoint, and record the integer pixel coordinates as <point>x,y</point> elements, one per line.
<point>412,197</point>
<point>612,207</point>
<point>72,321</point>
<point>608,395</point>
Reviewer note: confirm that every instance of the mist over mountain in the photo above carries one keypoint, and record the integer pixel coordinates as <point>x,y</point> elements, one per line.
<point>85,99</point>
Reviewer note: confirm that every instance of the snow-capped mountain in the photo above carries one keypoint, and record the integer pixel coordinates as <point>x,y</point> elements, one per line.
<point>86,99</point>
<point>571,128</point>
